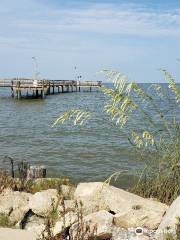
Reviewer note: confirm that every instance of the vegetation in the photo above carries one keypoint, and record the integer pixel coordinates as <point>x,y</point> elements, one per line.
<point>31,186</point>
<point>171,236</point>
<point>148,116</point>
<point>5,181</point>
<point>4,220</point>
<point>81,229</point>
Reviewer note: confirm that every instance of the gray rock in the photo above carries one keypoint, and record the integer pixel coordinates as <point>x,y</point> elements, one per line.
<point>169,221</point>
<point>98,224</point>
<point>67,206</point>
<point>35,224</point>
<point>67,191</point>
<point>42,203</point>
<point>16,234</point>
<point>14,204</point>
<point>64,222</point>
<point>130,234</point>
<point>131,210</point>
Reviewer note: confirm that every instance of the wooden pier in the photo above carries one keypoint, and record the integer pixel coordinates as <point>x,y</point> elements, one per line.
<point>41,88</point>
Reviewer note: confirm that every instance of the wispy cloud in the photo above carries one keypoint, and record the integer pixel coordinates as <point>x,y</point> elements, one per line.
<point>96,18</point>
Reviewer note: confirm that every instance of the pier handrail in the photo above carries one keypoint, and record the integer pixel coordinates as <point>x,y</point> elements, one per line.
<point>45,82</point>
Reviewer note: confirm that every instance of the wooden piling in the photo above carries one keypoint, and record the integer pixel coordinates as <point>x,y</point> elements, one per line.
<point>37,93</point>
<point>53,88</point>
<point>12,90</point>
<point>62,89</point>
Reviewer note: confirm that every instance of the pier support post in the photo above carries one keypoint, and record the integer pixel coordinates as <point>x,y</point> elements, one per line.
<point>12,89</point>
<point>12,92</point>
<point>42,94</point>
<point>18,90</point>
<point>37,93</point>
<point>62,89</point>
<point>18,94</point>
<point>48,91</point>
<point>42,91</point>
<point>53,88</point>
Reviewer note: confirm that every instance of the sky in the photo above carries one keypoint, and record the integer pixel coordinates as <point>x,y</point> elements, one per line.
<point>83,37</point>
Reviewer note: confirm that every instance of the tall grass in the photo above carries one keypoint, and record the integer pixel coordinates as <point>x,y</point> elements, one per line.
<point>156,137</point>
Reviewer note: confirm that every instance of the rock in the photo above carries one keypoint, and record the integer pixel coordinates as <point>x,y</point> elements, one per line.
<point>67,191</point>
<point>138,218</point>
<point>16,234</point>
<point>129,209</point>
<point>18,214</point>
<point>67,206</point>
<point>120,233</point>
<point>98,224</point>
<point>89,197</point>
<point>66,221</point>
<point>169,221</point>
<point>35,224</point>
<point>14,204</point>
<point>87,207</point>
<point>130,234</point>
<point>42,203</point>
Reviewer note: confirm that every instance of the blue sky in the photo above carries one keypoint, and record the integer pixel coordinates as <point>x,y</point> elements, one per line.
<point>134,37</point>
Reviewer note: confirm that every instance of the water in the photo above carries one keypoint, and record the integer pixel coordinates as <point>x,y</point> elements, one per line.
<point>87,153</point>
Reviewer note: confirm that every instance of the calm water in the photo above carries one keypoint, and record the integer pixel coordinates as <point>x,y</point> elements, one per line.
<point>87,153</point>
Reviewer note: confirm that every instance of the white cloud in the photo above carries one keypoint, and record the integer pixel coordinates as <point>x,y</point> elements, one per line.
<point>25,17</point>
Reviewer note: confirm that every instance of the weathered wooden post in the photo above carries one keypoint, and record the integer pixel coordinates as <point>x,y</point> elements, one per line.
<point>12,89</point>
<point>37,93</point>
<point>22,168</point>
<point>53,87</point>
<point>42,91</point>
<point>34,172</point>
<point>49,88</point>
<point>18,90</point>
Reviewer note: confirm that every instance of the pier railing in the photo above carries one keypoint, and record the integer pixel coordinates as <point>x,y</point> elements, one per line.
<point>45,86</point>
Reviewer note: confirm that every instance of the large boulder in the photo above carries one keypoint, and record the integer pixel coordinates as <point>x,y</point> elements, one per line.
<point>35,224</point>
<point>129,209</point>
<point>98,225</point>
<point>14,204</point>
<point>42,203</point>
<point>67,191</point>
<point>16,234</point>
<point>64,222</point>
<point>67,206</point>
<point>169,221</point>
<point>122,234</point>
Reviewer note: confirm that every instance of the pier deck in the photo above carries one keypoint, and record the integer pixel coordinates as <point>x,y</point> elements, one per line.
<point>41,88</point>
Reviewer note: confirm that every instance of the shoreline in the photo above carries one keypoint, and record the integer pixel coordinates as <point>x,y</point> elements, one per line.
<point>112,210</point>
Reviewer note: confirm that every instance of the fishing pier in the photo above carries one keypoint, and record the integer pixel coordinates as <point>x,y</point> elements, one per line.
<point>24,87</point>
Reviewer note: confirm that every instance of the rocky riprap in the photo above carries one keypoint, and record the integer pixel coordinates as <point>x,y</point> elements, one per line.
<point>95,209</point>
